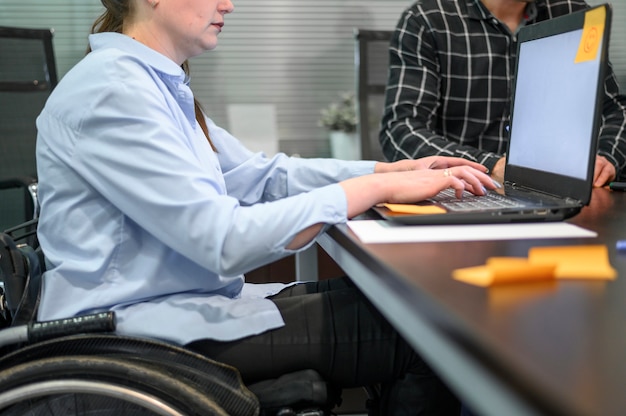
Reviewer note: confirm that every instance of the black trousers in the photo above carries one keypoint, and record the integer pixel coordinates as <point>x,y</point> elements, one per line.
<point>332,328</point>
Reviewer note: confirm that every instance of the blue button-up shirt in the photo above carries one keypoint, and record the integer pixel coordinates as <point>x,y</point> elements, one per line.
<point>139,214</point>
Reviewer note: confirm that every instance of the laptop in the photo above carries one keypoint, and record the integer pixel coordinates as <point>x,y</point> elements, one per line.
<point>555,121</point>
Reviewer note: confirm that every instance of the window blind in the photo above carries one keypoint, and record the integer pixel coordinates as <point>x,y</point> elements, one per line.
<point>296,55</point>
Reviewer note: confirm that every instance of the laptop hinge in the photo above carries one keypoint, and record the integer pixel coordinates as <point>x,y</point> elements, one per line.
<point>567,200</point>
<point>572,201</point>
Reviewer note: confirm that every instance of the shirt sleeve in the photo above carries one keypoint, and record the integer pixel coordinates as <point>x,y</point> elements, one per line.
<point>254,178</point>
<point>413,98</point>
<point>612,139</point>
<point>140,153</point>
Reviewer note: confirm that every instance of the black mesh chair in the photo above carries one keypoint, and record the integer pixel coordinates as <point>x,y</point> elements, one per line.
<point>372,60</point>
<point>27,76</point>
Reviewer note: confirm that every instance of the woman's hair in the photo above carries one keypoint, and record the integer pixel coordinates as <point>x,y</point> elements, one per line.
<point>112,20</point>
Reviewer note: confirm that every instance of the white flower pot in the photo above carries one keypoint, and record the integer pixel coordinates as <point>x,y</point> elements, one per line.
<point>344,145</point>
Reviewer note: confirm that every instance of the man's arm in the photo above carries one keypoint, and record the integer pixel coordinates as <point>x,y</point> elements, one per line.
<point>413,99</point>
<point>612,140</point>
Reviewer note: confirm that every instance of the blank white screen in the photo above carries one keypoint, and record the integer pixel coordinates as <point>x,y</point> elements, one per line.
<point>553,111</point>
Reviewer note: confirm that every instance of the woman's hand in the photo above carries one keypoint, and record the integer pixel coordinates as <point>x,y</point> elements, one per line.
<point>408,181</point>
<point>429,162</point>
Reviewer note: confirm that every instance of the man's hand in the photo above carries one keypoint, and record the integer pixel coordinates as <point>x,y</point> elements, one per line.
<point>603,173</point>
<point>497,173</point>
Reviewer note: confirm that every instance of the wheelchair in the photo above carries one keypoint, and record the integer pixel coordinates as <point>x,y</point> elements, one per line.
<point>79,366</point>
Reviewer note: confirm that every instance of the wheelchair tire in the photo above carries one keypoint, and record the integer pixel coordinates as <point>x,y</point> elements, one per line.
<point>218,381</point>
<point>98,386</point>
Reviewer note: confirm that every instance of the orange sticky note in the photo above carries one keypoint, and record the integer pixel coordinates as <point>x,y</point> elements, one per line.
<point>591,38</point>
<point>500,270</point>
<point>414,209</point>
<point>575,262</point>
<point>589,262</point>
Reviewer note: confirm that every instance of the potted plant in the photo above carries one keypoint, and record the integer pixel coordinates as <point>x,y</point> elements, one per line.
<point>341,121</point>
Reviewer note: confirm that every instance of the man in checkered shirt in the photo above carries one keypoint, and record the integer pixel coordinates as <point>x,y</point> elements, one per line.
<point>450,79</point>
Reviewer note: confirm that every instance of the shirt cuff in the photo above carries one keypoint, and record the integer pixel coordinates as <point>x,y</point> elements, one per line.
<point>490,162</point>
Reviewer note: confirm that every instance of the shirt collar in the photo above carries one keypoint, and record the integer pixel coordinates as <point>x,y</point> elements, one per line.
<point>531,12</point>
<point>167,70</point>
<point>476,10</point>
<point>149,56</point>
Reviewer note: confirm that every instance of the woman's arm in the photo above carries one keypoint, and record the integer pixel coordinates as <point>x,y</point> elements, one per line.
<point>406,181</point>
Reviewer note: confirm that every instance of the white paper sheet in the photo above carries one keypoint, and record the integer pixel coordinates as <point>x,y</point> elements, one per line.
<point>380,231</point>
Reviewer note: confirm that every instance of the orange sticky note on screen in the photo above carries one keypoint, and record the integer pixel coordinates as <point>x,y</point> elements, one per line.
<point>591,37</point>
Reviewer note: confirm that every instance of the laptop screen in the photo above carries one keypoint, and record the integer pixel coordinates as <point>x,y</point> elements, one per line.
<point>555,97</point>
<point>557,103</point>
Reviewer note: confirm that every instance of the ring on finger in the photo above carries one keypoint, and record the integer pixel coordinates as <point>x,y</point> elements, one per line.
<point>446,172</point>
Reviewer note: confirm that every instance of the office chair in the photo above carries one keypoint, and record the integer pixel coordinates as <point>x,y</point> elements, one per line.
<point>371,61</point>
<point>27,76</point>
<point>78,366</point>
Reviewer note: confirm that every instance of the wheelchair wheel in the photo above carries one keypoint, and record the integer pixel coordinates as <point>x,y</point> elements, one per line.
<point>98,386</point>
<point>218,381</point>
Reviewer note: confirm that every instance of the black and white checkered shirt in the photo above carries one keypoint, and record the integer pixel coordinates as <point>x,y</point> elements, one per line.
<point>450,79</point>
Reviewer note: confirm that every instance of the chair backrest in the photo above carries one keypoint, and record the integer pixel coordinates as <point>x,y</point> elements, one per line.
<point>372,67</point>
<point>27,76</point>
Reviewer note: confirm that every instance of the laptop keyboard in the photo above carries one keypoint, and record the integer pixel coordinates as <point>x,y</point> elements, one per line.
<point>471,202</point>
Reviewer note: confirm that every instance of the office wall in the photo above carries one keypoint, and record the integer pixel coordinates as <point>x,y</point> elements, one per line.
<point>295,55</point>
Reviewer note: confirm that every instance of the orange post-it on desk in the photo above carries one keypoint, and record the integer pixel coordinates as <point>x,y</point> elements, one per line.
<point>575,262</point>
<point>414,209</point>
<point>500,270</point>
<point>589,262</point>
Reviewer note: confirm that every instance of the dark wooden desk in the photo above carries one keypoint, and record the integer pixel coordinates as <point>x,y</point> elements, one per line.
<point>556,348</point>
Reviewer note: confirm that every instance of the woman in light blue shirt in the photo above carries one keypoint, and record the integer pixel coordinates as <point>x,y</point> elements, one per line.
<point>151,210</point>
